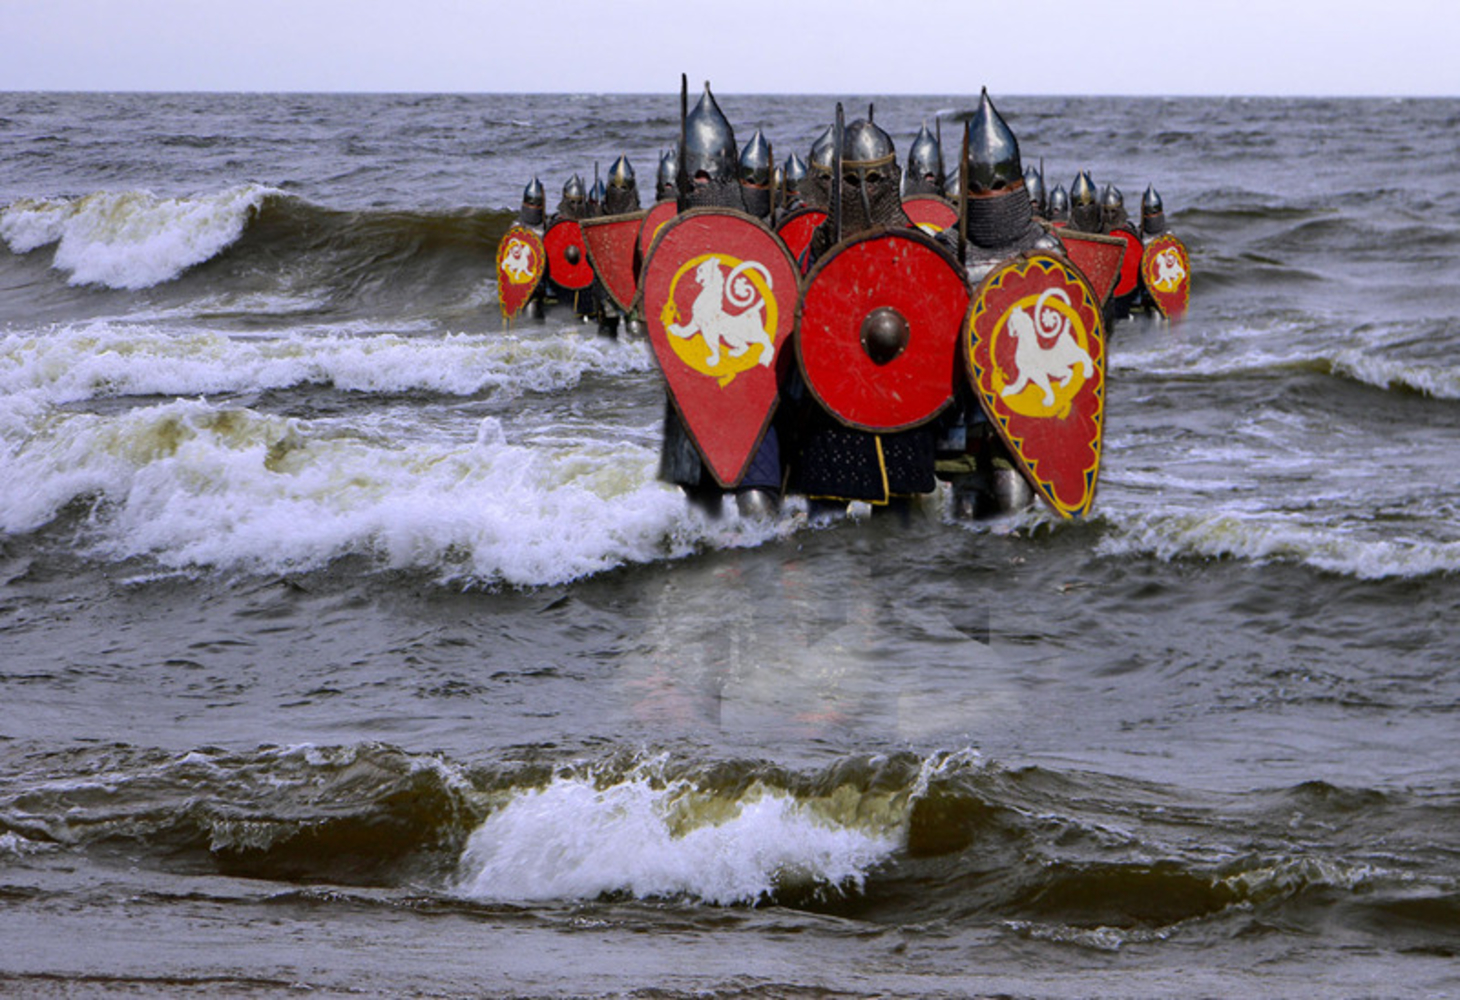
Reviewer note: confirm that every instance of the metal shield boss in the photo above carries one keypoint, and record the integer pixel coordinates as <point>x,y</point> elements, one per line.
<point>1035,349</point>
<point>719,294</point>
<point>654,221</point>
<point>1128,277</point>
<point>796,229</point>
<point>878,329</point>
<point>1166,272</point>
<point>521,262</point>
<point>1097,257</point>
<point>930,213</point>
<point>567,256</point>
<point>613,248</point>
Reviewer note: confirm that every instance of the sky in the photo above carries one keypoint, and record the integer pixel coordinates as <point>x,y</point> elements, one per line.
<point>1078,47</point>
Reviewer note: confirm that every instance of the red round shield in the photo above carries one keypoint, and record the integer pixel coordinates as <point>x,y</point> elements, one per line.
<point>1097,257</point>
<point>1035,351</point>
<point>613,247</point>
<point>1166,272</point>
<point>1129,277</point>
<point>661,213</point>
<point>879,325</point>
<point>567,256</point>
<point>521,262</point>
<point>718,293</point>
<point>930,213</point>
<point>796,229</point>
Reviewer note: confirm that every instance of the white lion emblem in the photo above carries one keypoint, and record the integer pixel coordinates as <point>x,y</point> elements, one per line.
<point>737,332</point>
<point>1169,272</point>
<point>518,262</point>
<point>1046,350</point>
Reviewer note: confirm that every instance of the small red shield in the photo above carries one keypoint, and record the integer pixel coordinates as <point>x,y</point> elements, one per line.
<point>879,325</point>
<point>1036,357</point>
<point>719,294</point>
<point>661,213</point>
<point>521,262</point>
<point>567,256</point>
<point>796,229</point>
<point>1098,258</point>
<point>613,246</point>
<point>1166,271</point>
<point>930,213</point>
<point>1128,279</point>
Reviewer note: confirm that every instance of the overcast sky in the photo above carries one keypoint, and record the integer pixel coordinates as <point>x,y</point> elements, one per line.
<point>1220,47</point>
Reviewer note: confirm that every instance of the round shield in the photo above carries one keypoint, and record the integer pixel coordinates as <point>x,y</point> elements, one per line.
<point>661,213</point>
<point>567,256</point>
<point>1129,277</point>
<point>521,262</point>
<point>613,248</point>
<point>1035,352</point>
<point>1166,271</point>
<point>930,213</point>
<point>796,229</point>
<point>718,293</point>
<point>879,325</point>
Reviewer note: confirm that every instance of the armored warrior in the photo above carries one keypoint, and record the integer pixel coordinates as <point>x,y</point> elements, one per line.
<point>925,174</point>
<point>998,223</point>
<point>1115,222</point>
<point>755,176</point>
<point>1034,182</point>
<point>1153,214</point>
<point>574,203</point>
<point>816,185</point>
<point>622,194</point>
<point>834,463</point>
<point>666,187</point>
<point>1059,207</point>
<point>533,215</point>
<point>1085,213</point>
<point>793,179</point>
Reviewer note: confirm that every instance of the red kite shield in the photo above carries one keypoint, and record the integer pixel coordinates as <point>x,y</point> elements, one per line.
<point>719,295</point>
<point>1166,270</point>
<point>1129,277</point>
<point>613,245</point>
<point>1098,258</point>
<point>796,229</point>
<point>521,262</point>
<point>879,325</point>
<point>567,256</point>
<point>930,213</point>
<point>1036,357</point>
<point>661,213</point>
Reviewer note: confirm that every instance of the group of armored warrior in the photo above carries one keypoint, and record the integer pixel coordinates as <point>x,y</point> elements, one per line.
<point>993,210</point>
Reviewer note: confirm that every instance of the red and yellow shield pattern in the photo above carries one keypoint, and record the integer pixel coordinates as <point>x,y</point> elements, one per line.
<point>719,300</point>
<point>567,256</point>
<point>930,213</point>
<point>521,262</point>
<point>1035,349</point>
<point>1166,272</point>
<point>613,246</point>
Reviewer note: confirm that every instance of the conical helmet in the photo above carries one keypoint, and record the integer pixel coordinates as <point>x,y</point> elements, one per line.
<point>925,162</point>
<point>755,161</point>
<point>795,170</point>
<point>621,174</point>
<point>709,141</point>
<point>1034,181</point>
<point>666,181</point>
<point>533,195</point>
<point>993,152</point>
<point>1059,204</point>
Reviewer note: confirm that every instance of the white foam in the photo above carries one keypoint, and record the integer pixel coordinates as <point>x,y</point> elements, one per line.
<point>131,239</point>
<point>576,840</point>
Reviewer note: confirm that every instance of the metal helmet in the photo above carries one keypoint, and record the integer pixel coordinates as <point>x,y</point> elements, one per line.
<point>597,194</point>
<point>795,170</point>
<point>755,176</point>
<point>709,142</point>
<point>1034,182</point>
<point>534,201</point>
<point>1059,204</point>
<point>1112,208</point>
<point>871,179</point>
<point>623,188</point>
<point>666,181</point>
<point>1153,213</point>
<point>925,174</point>
<point>575,199</point>
<point>815,187</point>
<point>823,151</point>
<point>1084,204</point>
<point>993,152</point>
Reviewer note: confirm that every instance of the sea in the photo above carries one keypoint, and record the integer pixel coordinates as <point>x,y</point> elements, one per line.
<point>350,646</point>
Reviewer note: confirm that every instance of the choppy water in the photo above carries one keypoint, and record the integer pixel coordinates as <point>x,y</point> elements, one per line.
<point>348,643</point>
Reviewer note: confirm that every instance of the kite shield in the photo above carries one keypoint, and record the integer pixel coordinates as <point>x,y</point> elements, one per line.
<point>1097,257</point>
<point>661,213</point>
<point>879,325</point>
<point>1166,271</point>
<point>719,294</point>
<point>613,243</point>
<point>521,262</point>
<point>1035,348</point>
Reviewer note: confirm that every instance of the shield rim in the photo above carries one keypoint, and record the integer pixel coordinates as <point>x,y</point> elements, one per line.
<point>952,208</point>
<point>584,225</point>
<point>646,247</point>
<point>592,275</point>
<point>999,425</point>
<point>800,285</point>
<point>793,216</point>
<point>917,236</point>
<point>536,279</point>
<point>1168,238</point>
